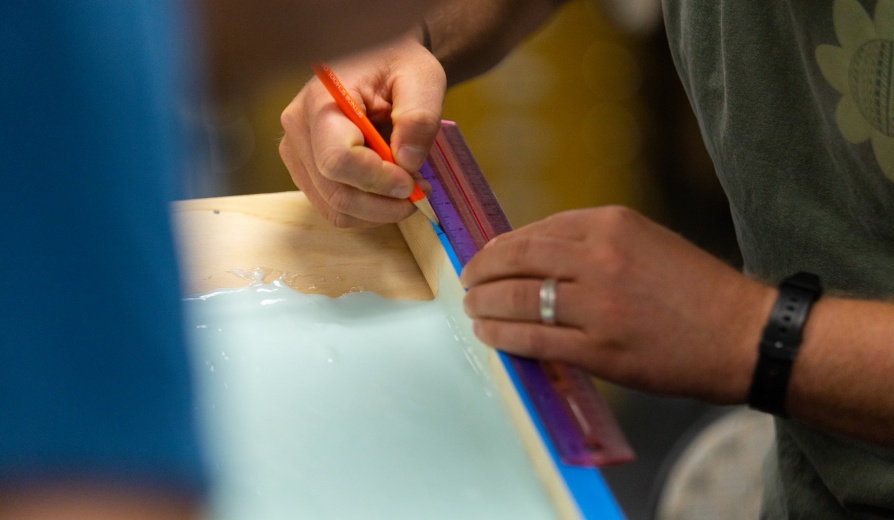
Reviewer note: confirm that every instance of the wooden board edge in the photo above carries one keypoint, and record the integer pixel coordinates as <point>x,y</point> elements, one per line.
<point>543,462</point>
<point>425,246</point>
<point>430,255</point>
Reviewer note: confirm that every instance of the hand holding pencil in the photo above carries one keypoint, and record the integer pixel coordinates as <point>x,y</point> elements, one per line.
<point>354,178</point>
<point>353,112</point>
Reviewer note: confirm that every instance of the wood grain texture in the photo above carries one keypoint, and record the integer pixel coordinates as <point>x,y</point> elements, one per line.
<point>425,246</point>
<point>282,234</point>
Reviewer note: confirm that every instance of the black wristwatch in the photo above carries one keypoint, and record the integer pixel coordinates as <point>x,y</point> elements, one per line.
<point>781,340</point>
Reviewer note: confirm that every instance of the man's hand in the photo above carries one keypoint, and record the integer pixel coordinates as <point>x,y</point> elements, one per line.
<point>636,304</point>
<point>401,87</point>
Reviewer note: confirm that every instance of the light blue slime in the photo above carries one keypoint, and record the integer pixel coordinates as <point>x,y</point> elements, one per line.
<point>355,407</point>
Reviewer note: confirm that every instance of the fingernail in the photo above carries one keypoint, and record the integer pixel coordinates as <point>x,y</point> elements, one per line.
<point>411,157</point>
<point>402,192</point>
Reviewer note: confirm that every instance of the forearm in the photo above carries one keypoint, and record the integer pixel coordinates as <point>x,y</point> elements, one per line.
<point>91,501</point>
<point>470,36</point>
<point>843,377</point>
<point>245,39</point>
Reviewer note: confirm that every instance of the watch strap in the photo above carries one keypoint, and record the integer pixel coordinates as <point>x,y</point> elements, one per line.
<point>781,340</point>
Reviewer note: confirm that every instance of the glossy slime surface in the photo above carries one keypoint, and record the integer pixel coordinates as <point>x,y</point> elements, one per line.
<point>356,407</point>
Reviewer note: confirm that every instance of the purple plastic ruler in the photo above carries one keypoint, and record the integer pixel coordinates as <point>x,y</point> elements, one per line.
<point>563,399</point>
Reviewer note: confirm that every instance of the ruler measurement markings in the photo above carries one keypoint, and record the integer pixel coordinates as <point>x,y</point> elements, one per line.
<point>569,444</point>
<point>495,221</point>
<point>548,402</point>
<point>580,398</point>
<point>441,167</point>
<point>573,412</point>
<point>465,197</point>
<point>451,223</point>
<point>604,438</point>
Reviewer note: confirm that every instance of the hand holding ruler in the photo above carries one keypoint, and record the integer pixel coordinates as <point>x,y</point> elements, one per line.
<point>579,421</point>
<point>568,407</point>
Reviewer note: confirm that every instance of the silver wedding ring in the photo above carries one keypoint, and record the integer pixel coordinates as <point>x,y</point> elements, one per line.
<point>548,301</point>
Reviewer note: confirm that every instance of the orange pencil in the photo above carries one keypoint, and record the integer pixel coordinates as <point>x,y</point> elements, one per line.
<point>353,111</point>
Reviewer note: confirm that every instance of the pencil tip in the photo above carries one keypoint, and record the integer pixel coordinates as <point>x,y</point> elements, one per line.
<point>425,207</point>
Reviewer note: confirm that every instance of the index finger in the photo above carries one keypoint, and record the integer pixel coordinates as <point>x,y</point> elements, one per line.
<point>340,155</point>
<point>524,257</point>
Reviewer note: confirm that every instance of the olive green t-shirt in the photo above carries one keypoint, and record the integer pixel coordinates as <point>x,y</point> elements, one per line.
<point>795,99</point>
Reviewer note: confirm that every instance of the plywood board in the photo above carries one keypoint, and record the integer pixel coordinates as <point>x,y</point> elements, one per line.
<point>222,240</point>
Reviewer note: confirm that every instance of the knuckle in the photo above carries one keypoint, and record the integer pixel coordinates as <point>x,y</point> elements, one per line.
<point>570,216</point>
<point>334,162</point>
<point>518,252</point>
<point>338,219</point>
<point>471,302</point>
<point>341,199</point>
<point>610,261</point>
<point>420,119</point>
<point>617,221</point>
<point>617,213</point>
<point>294,117</point>
<point>535,343</point>
<point>287,118</point>
<point>488,332</point>
<point>375,182</point>
<point>519,297</point>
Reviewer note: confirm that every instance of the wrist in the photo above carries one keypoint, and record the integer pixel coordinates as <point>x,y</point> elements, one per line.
<point>745,319</point>
<point>781,341</point>
<point>735,317</point>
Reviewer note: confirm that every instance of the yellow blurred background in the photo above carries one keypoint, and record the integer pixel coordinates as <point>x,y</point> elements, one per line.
<point>561,122</point>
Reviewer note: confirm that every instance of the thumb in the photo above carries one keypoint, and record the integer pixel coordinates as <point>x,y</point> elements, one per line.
<point>417,103</point>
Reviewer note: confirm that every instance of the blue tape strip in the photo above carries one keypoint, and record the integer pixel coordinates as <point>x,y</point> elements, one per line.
<point>448,248</point>
<point>594,498</point>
